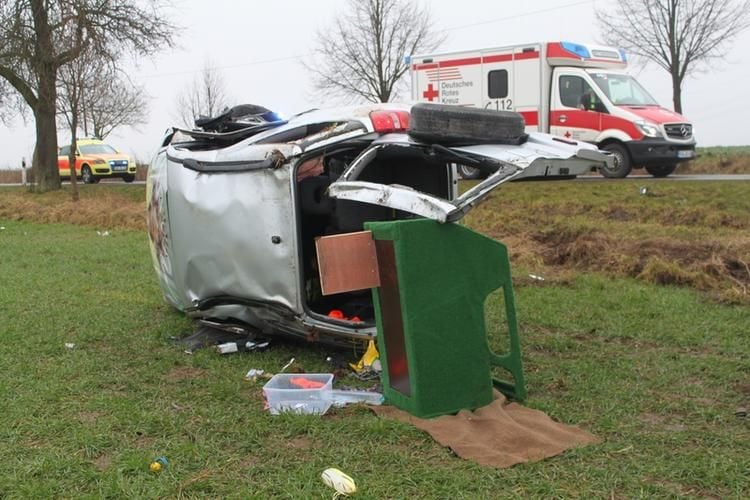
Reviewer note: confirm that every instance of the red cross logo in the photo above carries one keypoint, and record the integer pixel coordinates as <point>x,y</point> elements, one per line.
<point>567,134</point>
<point>431,93</point>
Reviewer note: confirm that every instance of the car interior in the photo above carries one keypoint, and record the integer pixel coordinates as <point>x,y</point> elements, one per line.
<point>320,215</point>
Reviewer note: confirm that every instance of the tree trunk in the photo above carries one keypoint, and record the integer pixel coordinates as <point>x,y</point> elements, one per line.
<point>677,94</point>
<point>72,156</point>
<point>46,173</point>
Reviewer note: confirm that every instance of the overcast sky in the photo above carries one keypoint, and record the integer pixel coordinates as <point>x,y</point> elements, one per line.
<point>259,45</point>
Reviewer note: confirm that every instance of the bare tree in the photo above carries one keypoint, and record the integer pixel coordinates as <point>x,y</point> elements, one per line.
<point>681,36</point>
<point>205,96</point>
<point>119,103</point>
<point>107,100</point>
<point>362,55</point>
<point>7,102</point>
<point>74,81</point>
<point>37,37</point>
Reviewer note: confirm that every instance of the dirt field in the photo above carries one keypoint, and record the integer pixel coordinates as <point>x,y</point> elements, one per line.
<point>691,234</point>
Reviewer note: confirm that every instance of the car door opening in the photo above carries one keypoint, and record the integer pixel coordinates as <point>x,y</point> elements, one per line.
<point>322,216</point>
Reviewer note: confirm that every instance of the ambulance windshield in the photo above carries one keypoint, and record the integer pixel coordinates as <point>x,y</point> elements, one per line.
<point>622,90</point>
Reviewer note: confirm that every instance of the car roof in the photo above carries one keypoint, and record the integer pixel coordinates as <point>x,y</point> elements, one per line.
<point>85,142</point>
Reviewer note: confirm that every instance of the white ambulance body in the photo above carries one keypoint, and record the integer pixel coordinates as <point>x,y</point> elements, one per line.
<point>574,91</point>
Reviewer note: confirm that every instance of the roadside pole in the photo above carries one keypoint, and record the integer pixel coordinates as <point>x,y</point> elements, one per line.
<point>23,171</point>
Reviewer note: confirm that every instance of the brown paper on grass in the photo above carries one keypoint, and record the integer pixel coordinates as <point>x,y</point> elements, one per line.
<point>499,435</point>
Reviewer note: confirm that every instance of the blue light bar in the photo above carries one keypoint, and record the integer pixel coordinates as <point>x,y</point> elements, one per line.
<point>407,60</point>
<point>623,55</point>
<point>576,49</point>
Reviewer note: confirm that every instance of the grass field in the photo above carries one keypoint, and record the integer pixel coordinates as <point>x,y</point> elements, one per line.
<point>656,371</point>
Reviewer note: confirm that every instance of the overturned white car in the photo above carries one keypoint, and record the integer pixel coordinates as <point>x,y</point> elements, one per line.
<point>235,208</point>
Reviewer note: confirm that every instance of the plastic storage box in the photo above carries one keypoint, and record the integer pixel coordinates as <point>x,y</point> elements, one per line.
<point>299,393</point>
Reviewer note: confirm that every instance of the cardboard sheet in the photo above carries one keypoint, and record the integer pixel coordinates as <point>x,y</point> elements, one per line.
<point>498,435</point>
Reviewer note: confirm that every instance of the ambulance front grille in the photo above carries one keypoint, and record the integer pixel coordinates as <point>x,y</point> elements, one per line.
<point>679,130</point>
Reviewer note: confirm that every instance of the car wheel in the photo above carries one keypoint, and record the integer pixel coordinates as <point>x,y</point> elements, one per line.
<point>468,172</point>
<point>86,175</point>
<point>660,170</point>
<point>444,123</point>
<point>622,166</point>
<point>128,178</point>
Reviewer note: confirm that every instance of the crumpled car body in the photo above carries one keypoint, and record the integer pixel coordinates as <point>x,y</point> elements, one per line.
<point>233,220</point>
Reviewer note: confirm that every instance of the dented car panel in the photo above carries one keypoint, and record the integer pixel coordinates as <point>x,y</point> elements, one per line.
<point>235,221</point>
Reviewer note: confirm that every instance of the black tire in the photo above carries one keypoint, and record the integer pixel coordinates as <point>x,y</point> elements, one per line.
<point>468,172</point>
<point>660,170</point>
<point>86,175</point>
<point>128,178</point>
<point>444,123</point>
<point>622,166</point>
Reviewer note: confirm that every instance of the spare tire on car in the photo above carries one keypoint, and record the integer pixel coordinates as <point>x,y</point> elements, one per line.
<point>448,124</point>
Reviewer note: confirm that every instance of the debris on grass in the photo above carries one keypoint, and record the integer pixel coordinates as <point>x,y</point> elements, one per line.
<point>342,483</point>
<point>284,368</point>
<point>253,374</point>
<point>343,397</point>
<point>158,464</point>
<point>227,348</point>
<point>249,346</point>
<point>368,360</point>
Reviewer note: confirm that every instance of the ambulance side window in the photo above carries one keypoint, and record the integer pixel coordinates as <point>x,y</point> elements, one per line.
<point>497,84</point>
<point>575,92</point>
<point>571,90</point>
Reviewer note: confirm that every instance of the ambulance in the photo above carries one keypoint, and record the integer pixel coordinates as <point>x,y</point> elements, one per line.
<point>574,91</point>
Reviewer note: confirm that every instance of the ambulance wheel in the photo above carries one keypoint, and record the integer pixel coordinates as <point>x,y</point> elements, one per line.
<point>444,123</point>
<point>660,170</point>
<point>468,172</point>
<point>86,176</point>
<point>622,166</point>
<point>128,178</point>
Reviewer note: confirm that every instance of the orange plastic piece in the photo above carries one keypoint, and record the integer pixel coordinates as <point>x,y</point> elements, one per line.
<point>304,383</point>
<point>336,314</point>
